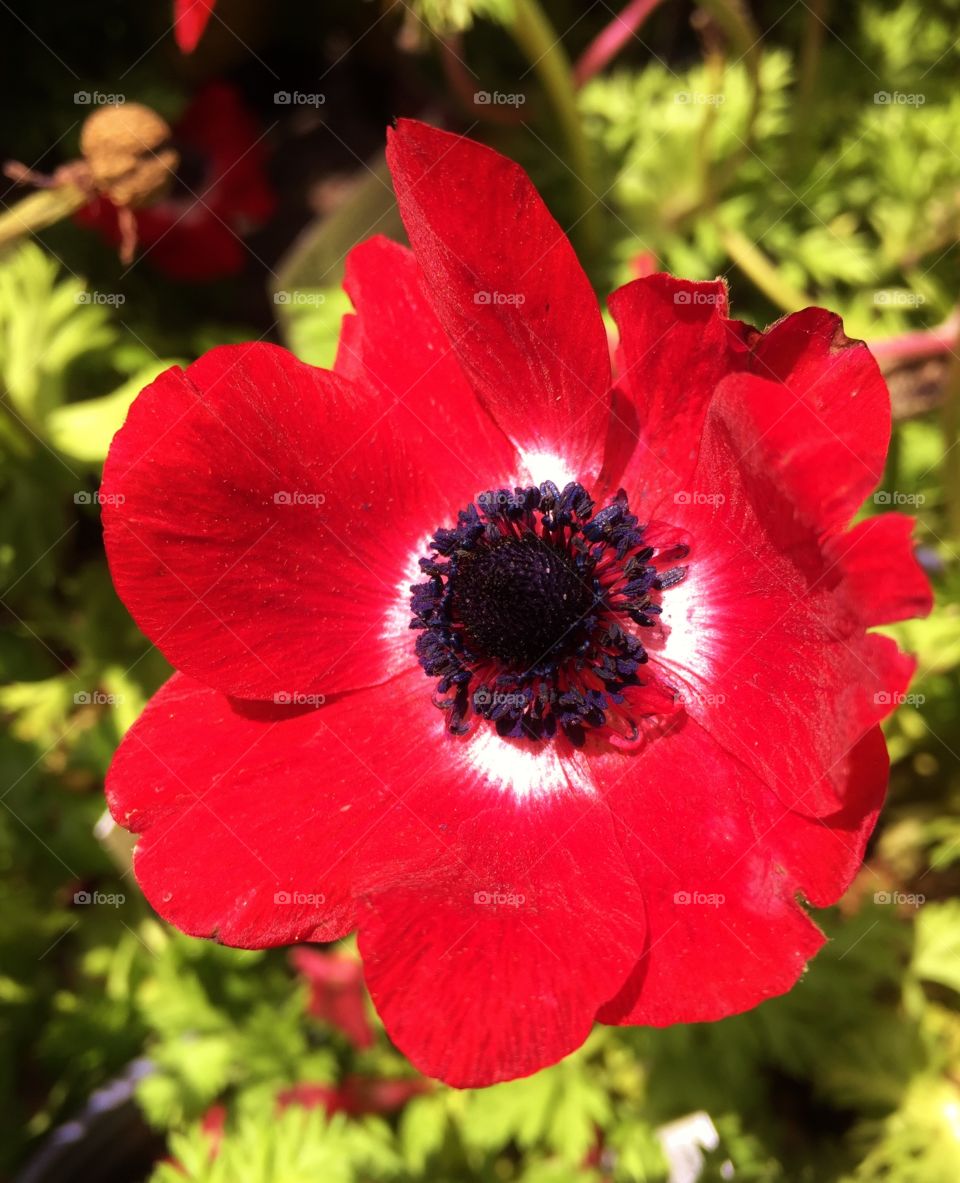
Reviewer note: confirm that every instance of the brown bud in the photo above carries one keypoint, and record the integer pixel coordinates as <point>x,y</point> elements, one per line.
<point>127,149</point>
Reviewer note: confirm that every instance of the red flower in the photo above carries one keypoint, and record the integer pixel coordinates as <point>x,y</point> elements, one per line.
<point>196,233</point>
<point>356,1095</point>
<point>190,18</point>
<point>646,631</point>
<point>336,992</point>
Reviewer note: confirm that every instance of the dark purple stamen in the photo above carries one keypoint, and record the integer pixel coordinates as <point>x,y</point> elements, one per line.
<point>524,615</point>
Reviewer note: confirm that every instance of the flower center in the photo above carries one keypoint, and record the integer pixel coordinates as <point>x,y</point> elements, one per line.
<point>531,612</point>
<point>520,599</point>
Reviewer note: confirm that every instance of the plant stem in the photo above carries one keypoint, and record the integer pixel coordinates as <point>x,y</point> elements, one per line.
<point>757,267</point>
<point>537,38</point>
<point>39,210</point>
<point>610,40</point>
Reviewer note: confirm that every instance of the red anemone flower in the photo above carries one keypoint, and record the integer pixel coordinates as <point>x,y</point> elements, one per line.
<point>559,688</point>
<point>336,992</point>
<point>221,193</point>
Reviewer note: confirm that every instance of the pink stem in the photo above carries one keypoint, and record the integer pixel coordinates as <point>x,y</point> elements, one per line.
<point>607,44</point>
<point>922,343</point>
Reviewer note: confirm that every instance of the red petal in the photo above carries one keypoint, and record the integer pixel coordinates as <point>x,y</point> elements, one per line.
<point>253,838</point>
<point>724,931</point>
<point>396,346</point>
<point>499,971</point>
<point>821,855</point>
<point>770,656</point>
<point>676,344</point>
<point>883,579</point>
<point>829,426</point>
<point>508,290</point>
<point>261,517</point>
<point>190,18</point>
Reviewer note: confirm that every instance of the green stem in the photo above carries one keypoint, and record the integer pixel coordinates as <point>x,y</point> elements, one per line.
<point>815,14</point>
<point>538,40</point>
<point>761,271</point>
<point>39,210</point>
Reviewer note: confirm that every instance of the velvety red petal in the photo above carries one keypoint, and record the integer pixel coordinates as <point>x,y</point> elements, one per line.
<point>830,427</point>
<point>724,929</point>
<point>260,516</point>
<point>883,579</point>
<point>499,971</point>
<point>821,855</point>
<point>765,648</point>
<point>190,18</point>
<point>507,288</point>
<point>676,344</point>
<point>396,346</point>
<point>243,838</point>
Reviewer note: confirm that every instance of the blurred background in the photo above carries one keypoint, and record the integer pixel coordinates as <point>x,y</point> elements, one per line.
<point>807,151</point>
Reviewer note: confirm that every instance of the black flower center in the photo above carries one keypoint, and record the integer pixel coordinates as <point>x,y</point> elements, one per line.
<point>520,600</point>
<point>532,609</point>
